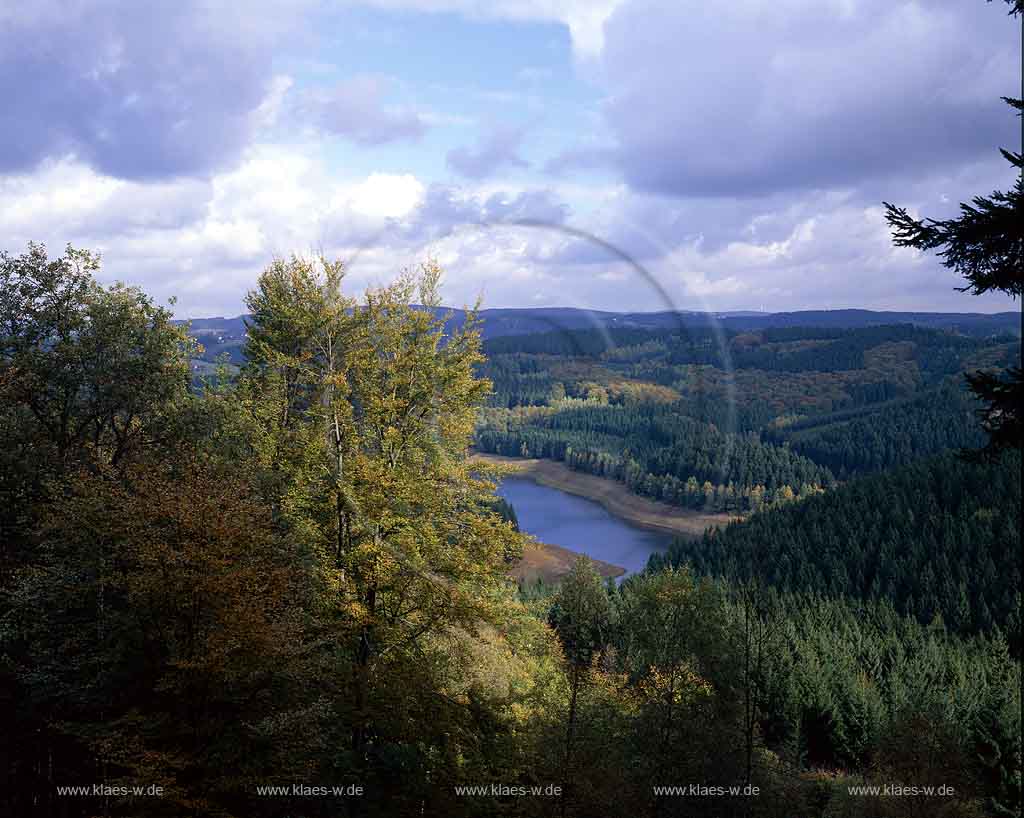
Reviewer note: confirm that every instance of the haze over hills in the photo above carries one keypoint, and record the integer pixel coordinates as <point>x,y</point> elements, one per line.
<point>221,335</point>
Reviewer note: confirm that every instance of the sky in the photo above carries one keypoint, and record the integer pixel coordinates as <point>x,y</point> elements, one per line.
<point>608,154</point>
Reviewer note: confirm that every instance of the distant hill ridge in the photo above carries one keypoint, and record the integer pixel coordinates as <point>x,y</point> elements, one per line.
<point>219,335</point>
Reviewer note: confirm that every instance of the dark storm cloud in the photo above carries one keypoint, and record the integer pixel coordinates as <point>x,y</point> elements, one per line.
<point>498,150</point>
<point>135,90</point>
<point>747,98</point>
<point>355,110</point>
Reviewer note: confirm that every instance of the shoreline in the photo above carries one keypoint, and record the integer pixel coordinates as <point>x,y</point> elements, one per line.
<point>552,562</point>
<point>613,496</point>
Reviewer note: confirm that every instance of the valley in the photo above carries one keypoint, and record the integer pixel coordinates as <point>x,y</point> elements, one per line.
<point>702,499</point>
<point>767,554</point>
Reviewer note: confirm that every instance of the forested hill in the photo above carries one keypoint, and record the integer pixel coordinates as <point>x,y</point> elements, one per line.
<point>873,439</point>
<point>735,421</point>
<point>938,538</point>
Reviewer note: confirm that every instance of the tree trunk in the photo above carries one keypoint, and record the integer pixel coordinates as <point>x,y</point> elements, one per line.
<point>570,735</point>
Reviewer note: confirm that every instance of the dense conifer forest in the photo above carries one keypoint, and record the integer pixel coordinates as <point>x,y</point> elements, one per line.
<point>936,539</point>
<point>696,420</point>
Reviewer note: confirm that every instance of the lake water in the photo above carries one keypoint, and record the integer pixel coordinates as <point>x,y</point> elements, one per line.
<point>555,517</point>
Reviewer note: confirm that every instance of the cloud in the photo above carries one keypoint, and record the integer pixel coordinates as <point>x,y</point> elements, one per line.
<point>387,196</point>
<point>354,109</point>
<point>498,150</point>
<point>74,199</point>
<point>755,144</point>
<point>134,90</point>
<point>206,241</point>
<point>270,109</point>
<point>748,97</point>
<point>531,205</point>
<point>418,217</point>
<point>818,249</point>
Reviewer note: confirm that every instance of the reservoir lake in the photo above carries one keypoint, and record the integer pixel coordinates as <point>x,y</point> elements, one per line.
<point>556,517</point>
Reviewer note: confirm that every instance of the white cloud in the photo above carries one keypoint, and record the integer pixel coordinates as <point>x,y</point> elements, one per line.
<point>386,196</point>
<point>72,198</point>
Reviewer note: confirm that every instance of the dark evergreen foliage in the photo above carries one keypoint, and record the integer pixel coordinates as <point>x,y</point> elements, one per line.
<point>937,539</point>
<point>864,441</point>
